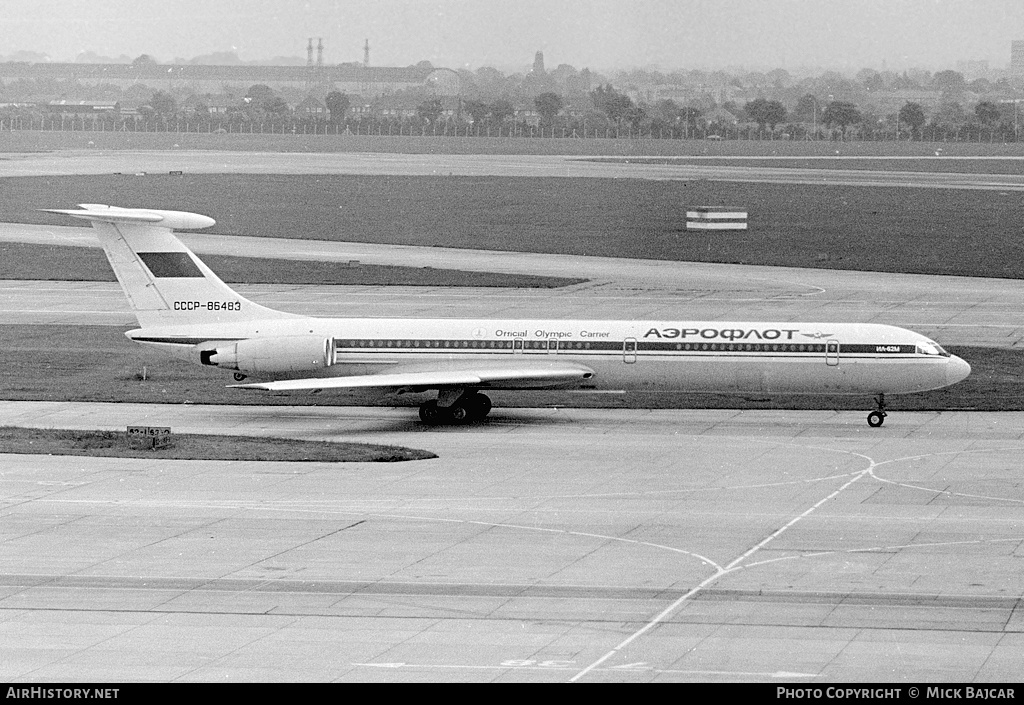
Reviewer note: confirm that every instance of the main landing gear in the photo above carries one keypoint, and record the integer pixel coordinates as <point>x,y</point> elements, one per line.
<point>461,409</point>
<point>877,417</point>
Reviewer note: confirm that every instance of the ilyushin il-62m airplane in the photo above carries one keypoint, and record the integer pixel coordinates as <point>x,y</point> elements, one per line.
<point>184,309</point>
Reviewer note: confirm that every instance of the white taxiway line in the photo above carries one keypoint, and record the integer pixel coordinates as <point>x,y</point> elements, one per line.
<point>721,572</point>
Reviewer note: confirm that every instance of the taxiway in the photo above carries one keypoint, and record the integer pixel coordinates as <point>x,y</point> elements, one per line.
<point>590,545</point>
<point>207,162</point>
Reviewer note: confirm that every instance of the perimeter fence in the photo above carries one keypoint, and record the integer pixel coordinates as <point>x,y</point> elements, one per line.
<point>516,130</point>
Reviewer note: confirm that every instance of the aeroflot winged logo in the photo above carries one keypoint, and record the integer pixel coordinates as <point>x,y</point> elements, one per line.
<point>731,333</point>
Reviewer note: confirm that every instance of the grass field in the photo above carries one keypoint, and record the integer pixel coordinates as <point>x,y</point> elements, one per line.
<point>191,446</point>
<point>97,363</point>
<point>913,230</point>
<point>52,262</point>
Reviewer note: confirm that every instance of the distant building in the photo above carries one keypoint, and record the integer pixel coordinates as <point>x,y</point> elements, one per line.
<point>527,113</point>
<point>1017,57</point>
<point>214,104</point>
<point>84,108</point>
<point>397,106</point>
<point>311,107</point>
<point>443,82</point>
<point>352,79</point>
<point>720,116</point>
<point>538,63</point>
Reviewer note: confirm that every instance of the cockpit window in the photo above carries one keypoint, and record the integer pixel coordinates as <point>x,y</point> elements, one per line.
<point>931,348</point>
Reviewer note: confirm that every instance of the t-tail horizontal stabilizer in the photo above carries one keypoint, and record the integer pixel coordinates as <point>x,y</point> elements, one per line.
<point>166,284</point>
<point>172,220</point>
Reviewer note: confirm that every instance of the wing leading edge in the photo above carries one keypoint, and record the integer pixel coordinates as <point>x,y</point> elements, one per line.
<point>495,378</point>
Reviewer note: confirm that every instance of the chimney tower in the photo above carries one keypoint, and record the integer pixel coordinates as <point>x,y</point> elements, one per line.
<point>309,52</point>
<point>538,63</point>
<point>320,52</point>
<point>366,53</point>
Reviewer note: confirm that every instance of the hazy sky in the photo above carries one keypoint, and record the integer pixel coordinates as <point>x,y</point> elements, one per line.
<point>601,34</point>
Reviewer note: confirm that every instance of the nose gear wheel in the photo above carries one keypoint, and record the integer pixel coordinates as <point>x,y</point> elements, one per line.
<point>877,417</point>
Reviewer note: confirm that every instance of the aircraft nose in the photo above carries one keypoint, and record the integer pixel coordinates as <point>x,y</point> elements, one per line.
<point>956,370</point>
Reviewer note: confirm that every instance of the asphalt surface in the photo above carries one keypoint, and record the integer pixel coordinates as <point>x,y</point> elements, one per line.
<point>596,545</point>
<point>131,162</point>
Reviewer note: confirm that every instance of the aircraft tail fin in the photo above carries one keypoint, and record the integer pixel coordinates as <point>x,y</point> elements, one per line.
<point>166,284</point>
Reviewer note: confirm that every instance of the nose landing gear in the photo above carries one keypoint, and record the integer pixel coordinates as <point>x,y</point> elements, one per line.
<point>877,417</point>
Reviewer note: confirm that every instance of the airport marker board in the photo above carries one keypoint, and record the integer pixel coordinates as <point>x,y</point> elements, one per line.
<point>716,219</point>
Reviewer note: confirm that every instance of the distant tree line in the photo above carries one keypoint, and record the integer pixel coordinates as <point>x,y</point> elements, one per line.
<point>564,102</point>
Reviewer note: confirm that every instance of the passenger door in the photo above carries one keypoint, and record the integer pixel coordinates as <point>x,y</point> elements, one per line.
<point>629,350</point>
<point>832,353</point>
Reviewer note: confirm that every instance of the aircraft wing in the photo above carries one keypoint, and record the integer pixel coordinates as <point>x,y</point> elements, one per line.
<point>511,377</point>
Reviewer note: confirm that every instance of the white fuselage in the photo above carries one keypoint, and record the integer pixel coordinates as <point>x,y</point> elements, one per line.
<point>689,356</point>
